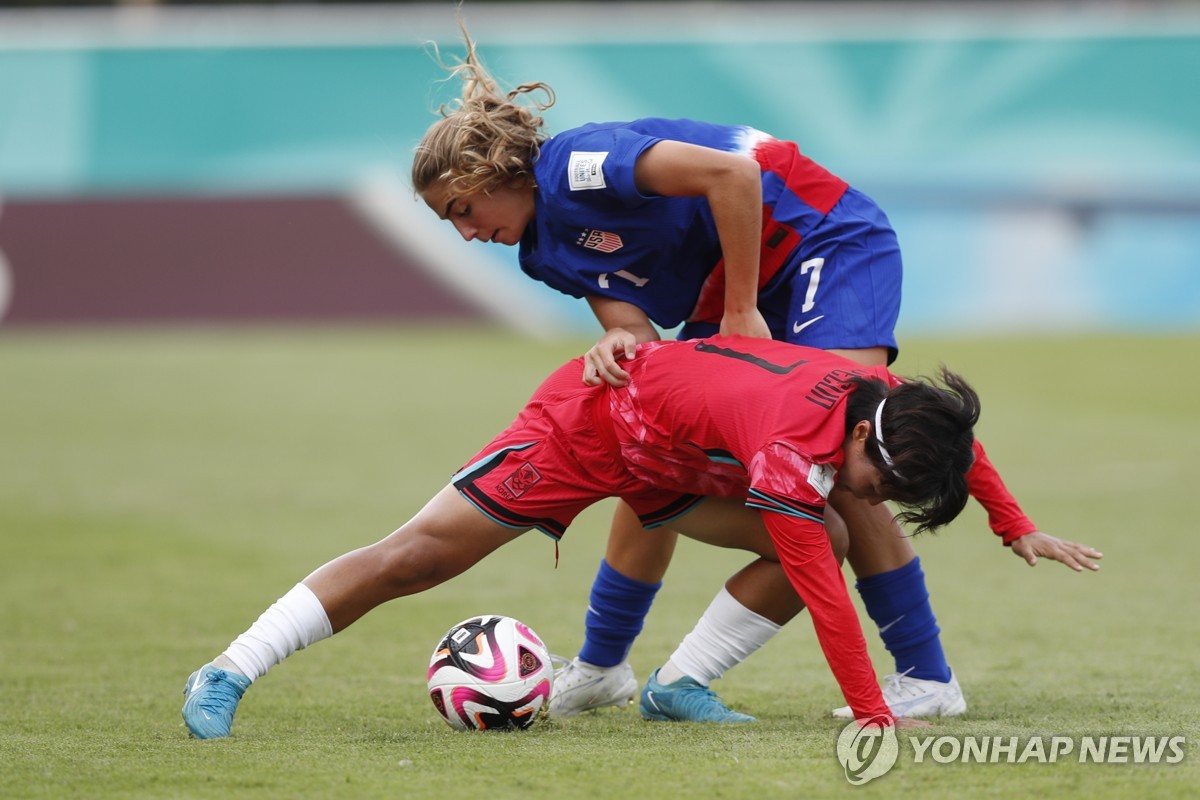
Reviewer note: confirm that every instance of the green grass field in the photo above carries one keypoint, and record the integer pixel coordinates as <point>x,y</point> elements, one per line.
<point>160,488</point>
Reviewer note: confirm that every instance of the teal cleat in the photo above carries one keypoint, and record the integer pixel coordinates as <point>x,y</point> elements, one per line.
<point>212,698</point>
<point>685,700</point>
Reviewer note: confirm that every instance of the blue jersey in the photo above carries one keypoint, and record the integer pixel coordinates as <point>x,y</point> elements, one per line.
<point>595,234</point>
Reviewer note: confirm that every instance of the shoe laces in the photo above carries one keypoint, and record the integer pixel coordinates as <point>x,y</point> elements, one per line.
<point>899,684</point>
<point>218,693</point>
<point>566,669</point>
<point>688,691</point>
<point>702,700</point>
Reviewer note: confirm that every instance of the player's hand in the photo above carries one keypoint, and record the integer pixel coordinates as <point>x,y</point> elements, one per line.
<point>1071,554</point>
<point>899,722</point>
<point>906,722</point>
<point>600,363</point>
<point>747,323</point>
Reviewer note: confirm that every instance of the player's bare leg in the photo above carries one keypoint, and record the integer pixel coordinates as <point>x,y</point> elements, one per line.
<point>445,538</point>
<point>629,577</point>
<point>879,544</point>
<point>636,552</point>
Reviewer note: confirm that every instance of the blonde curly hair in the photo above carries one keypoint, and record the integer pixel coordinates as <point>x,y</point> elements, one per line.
<point>485,139</point>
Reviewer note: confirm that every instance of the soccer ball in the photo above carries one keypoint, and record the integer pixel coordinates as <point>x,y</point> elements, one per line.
<point>490,673</point>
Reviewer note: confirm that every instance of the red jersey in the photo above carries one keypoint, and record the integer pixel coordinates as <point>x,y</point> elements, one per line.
<point>764,420</point>
<point>726,417</point>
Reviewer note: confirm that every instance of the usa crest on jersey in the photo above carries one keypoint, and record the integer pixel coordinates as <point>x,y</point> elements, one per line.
<point>603,241</point>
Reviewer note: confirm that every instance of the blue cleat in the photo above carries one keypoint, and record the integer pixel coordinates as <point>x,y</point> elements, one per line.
<point>685,701</point>
<point>212,698</point>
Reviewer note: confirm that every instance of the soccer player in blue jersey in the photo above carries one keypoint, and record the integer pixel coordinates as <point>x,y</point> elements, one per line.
<point>717,228</point>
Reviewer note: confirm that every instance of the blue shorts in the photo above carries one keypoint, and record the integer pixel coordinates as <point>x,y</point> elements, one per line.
<point>840,289</point>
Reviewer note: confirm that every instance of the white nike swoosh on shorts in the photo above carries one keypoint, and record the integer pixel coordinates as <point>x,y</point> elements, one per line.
<point>797,327</point>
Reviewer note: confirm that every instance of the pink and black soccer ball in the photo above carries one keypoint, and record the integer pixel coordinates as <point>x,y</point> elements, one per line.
<point>490,673</point>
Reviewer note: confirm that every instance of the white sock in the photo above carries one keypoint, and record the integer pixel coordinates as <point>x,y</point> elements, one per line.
<point>723,638</point>
<point>295,621</point>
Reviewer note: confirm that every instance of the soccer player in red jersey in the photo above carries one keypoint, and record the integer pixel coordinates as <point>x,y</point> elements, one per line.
<point>748,457</point>
<point>660,223</point>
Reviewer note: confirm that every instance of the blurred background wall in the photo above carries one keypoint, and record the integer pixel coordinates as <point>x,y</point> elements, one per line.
<point>1041,162</point>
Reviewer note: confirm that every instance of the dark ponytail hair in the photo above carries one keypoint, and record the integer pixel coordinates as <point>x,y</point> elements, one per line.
<point>928,432</point>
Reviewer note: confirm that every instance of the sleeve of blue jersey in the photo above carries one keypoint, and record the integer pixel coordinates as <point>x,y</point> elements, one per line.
<point>624,147</point>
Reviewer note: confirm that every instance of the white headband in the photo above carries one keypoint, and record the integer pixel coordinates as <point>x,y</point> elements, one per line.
<point>887,458</point>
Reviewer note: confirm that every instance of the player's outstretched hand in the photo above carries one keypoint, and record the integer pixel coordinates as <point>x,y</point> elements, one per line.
<point>899,722</point>
<point>1076,556</point>
<point>907,722</point>
<point>600,363</point>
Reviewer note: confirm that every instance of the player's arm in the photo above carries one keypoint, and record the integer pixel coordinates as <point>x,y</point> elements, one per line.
<point>732,184</point>
<point>625,327</point>
<point>1009,522</point>
<point>808,560</point>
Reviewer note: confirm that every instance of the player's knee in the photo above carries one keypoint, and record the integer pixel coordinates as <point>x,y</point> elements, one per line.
<point>411,563</point>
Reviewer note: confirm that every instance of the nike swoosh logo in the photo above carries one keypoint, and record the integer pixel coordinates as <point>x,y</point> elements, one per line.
<point>902,707</point>
<point>650,700</point>
<point>797,327</point>
<point>884,628</point>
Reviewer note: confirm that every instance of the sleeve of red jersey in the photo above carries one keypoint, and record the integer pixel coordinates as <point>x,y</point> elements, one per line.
<point>808,560</point>
<point>1005,517</point>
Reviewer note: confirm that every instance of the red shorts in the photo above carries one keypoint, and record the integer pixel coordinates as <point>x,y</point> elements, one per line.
<point>558,458</point>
